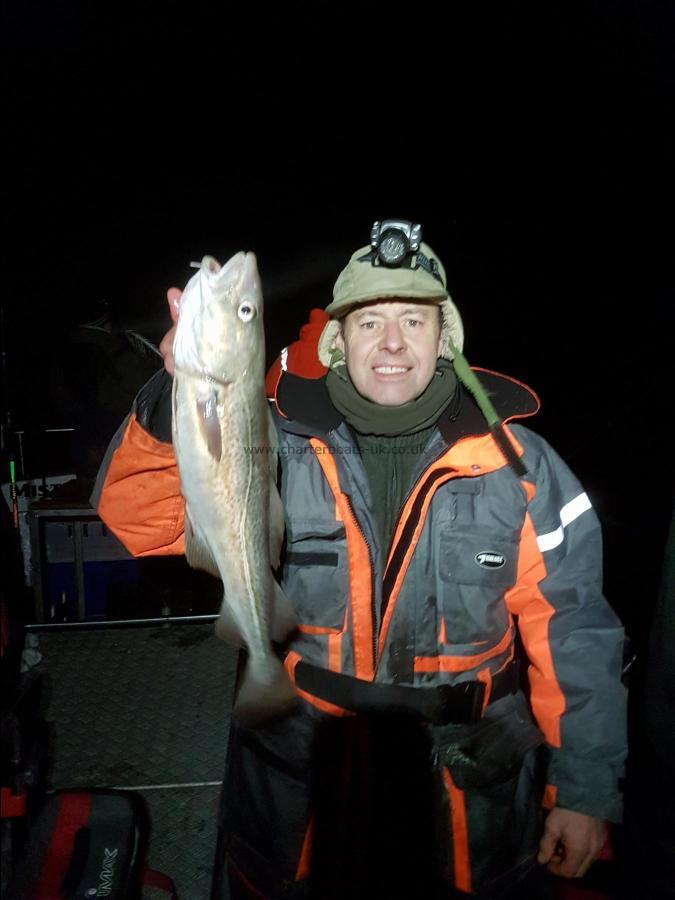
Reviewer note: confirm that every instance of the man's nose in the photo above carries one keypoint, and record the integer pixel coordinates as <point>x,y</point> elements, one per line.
<point>392,337</point>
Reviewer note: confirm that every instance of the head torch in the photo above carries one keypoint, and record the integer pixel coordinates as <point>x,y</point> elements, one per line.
<point>395,243</point>
<point>394,239</point>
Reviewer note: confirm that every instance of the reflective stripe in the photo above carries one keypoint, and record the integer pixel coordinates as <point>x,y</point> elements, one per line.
<point>284,359</point>
<point>568,513</point>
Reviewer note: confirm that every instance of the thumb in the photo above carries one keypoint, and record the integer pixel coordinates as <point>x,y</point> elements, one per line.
<point>547,845</point>
<point>173,296</point>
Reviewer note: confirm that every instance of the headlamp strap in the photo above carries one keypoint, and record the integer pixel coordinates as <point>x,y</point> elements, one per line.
<point>421,262</point>
<point>429,265</point>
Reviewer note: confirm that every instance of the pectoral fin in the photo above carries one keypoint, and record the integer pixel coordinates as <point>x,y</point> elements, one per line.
<point>209,424</point>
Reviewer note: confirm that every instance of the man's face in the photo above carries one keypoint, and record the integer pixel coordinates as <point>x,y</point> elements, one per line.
<point>391,348</point>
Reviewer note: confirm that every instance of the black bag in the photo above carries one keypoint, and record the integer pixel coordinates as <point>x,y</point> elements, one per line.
<point>85,843</point>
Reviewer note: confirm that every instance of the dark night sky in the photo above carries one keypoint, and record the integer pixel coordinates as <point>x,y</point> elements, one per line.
<point>535,147</point>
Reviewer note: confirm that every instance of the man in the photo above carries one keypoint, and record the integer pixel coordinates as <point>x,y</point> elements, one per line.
<point>426,543</point>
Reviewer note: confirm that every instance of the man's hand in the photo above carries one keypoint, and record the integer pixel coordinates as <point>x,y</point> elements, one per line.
<point>173,296</point>
<point>571,841</point>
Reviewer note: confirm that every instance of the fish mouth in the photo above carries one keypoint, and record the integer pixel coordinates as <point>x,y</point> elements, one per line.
<point>240,269</point>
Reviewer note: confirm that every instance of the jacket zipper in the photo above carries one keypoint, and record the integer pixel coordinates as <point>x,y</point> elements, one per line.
<point>407,497</point>
<point>376,622</point>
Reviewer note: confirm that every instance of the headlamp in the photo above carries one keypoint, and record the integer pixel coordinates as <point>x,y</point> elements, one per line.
<point>393,240</point>
<point>395,243</point>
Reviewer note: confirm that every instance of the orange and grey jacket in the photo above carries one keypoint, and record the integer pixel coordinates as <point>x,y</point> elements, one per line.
<point>478,557</point>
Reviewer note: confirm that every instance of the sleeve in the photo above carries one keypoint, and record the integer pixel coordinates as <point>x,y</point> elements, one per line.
<point>573,639</point>
<point>137,491</point>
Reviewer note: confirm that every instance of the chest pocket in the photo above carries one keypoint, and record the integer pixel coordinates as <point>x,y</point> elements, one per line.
<point>475,568</point>
<point>315,572</point>
<point>456,500</point>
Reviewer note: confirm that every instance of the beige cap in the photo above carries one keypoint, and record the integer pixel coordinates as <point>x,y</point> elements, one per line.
<point>361,282</point>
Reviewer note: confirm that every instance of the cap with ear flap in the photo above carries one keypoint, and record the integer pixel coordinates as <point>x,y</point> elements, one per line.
<point>363,281</point>
<point>422,277</point>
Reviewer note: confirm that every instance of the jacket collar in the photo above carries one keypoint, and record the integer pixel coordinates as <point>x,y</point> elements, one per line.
<point>305,406</point>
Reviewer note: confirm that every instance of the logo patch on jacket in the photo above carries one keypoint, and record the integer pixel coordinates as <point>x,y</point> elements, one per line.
<point>488,559</point>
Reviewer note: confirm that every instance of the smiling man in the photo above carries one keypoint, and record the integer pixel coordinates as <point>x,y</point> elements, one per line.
<point>391,349</point>
<point>460,725</point>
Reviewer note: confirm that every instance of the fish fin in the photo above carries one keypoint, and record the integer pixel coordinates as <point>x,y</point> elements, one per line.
<point>277,526</point>
<point>197,552</point>
<point>266,692</point>
<point>283,617</point>
<point>227,628</point>
<point>209,425</point>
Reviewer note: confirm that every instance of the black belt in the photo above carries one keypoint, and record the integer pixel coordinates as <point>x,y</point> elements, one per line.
<point>445,704</point>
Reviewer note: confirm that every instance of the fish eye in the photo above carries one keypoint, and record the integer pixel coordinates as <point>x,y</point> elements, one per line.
<point>246,312</point>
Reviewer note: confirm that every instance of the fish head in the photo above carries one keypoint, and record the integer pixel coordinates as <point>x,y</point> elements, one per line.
<point>220,328</point>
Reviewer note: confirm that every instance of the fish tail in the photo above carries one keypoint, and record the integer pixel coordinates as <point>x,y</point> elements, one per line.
<point>266,692</point>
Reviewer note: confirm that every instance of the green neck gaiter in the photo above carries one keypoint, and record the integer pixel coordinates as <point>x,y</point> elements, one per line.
<point>391,438</point>
<point>368,417</point>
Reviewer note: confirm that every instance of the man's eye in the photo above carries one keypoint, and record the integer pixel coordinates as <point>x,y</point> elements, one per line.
<point>369,325</point>
<point>413,323</point>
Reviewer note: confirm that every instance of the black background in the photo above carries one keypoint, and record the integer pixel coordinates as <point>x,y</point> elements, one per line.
<point>534,145</point>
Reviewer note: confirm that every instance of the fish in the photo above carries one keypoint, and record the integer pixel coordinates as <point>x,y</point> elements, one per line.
<point>226,452</point>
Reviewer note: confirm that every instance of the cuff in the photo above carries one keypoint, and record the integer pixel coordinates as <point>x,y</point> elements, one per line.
<point>586,786</point>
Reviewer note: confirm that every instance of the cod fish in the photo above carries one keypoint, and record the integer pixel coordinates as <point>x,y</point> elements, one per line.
<point>224,440</point>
